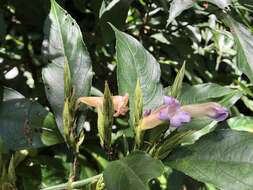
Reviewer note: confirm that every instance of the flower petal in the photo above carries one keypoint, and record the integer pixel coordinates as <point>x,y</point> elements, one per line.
<point>211,109</point>
<point>172,102</point>
<point>221,113</point>
<point>147,113</point>
<point>164,114</point>
<point>179,118</point>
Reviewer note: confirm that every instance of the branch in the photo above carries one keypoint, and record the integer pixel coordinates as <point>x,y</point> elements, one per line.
<point>75,184</point>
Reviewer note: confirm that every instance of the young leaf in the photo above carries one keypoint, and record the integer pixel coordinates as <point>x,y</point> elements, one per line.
<point>135,62</point>
<point>138,104</point>
<point>138,113</point>
<point>130,173</point>
<point>220,158</point>
<point>177,85</point>
<point>63,43</point>
<point>105,118</point>
<point>67,80</point>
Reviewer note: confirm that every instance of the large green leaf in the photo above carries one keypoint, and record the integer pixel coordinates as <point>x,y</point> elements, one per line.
<point>178,6</point>
<point>202,93</point>
<point>63,39</point>
<point>26,124</point>
<point>132,172</point>
<point>133,63</point>
<point>241,123</point>
<point>222,158</point>
<point>244,45</point>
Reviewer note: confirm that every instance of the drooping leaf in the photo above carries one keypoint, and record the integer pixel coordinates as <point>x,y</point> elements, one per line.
<point>178,82</point>
<point>241,123</point>
<point>114,12</point>
<point>130,173</point>
<point>135,62</point>
<point>26,124</point>
<point>244,45</point>
<point>202,93</point>
<point>63,40</point>
<point>222,158</point>
<point>105,119</point>
<point>178,6</point>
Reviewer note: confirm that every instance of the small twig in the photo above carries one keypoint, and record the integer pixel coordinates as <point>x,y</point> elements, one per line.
<point>76,184</point>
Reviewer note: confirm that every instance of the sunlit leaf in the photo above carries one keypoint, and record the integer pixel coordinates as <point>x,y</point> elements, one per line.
<point>241,123</point>
<point>63,40</point>
<point>135,62</point>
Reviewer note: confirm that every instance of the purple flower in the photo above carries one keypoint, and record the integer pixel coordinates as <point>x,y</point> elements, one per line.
<point>176,114</point>
<point>171,112</point>
<point>211,109</point>
<point>219,113</point>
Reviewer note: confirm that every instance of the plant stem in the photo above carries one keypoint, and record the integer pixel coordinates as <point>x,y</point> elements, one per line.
<point>75,184</point>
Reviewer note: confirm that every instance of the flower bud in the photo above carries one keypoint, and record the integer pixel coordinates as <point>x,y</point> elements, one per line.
<point>211,109</point>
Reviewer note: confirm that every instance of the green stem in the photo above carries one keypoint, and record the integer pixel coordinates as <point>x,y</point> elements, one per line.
<point>75,184</point>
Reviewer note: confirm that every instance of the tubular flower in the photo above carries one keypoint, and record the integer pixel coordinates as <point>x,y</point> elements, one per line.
<point>119,103</point>
<point>176,114</point>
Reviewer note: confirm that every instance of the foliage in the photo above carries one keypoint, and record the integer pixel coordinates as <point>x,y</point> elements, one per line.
<point>126,94</point>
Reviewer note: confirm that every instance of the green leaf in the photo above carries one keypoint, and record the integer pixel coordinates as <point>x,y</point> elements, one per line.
<point>222,158</point>
<point>67,81</point>
<point>135,62</point>
<point>130,173</point>
<point>241,123</point>
<point>138,104</point>
<point>177,85</point>
<point>244,45</point>
<point>9,94</point>
<point>248,103</point>
<point>178,6</point>
<point>105,118</point>
<point>63,40</point>
<point>114,12</point>
<point>26,124</point>
<point>202,93</point>
<point>138,114</point>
